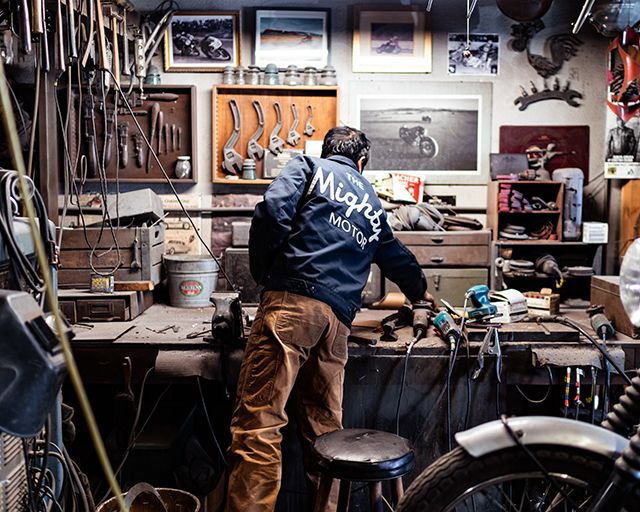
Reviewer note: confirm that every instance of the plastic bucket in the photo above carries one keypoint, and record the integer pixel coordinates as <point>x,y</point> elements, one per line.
<point>174,500</point>
<point>191,280</point>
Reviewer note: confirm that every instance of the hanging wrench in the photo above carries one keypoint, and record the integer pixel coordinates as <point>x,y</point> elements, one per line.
<point>276,144</point>
<point>254,149</point>
<point>232,162</point>
<point>293,136</point>
<point>308,127</point>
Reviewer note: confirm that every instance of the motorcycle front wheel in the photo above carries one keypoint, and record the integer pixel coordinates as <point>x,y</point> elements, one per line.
<point>429,147</point>
<point>220,54</point>
<point>509,480</point>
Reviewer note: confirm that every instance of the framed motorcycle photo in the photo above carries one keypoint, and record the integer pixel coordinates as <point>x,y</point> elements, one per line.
<point>391,40</point>
<point>202,41</point>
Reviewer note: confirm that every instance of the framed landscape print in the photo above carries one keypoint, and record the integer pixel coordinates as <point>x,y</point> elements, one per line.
<point>439,131</point>
<point>391,40</point>
<point>291,36</point>
<point>202,41</point>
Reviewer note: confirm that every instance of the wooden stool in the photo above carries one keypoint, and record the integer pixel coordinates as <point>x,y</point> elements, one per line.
<point>362,455</point>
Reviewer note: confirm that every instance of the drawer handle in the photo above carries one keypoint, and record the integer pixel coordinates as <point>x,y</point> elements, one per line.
<point>437,259</point>
<point>437,240</point>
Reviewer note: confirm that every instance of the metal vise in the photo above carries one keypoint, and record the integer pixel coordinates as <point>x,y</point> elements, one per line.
<point>227,324</point>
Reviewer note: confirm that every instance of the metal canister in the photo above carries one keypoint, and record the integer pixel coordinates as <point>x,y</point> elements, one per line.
<point>240,80</point>
<point>328,76</point>
<point>252,76</point>
<point>249,169</point>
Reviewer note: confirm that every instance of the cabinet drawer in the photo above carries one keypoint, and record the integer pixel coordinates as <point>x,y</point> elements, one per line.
<point>449,284</point>
<point>438,238</point>
<point>452,255</point>
<point>103,310</point>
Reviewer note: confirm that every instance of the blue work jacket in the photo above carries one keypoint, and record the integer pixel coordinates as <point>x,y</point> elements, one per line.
<point>316,232</point>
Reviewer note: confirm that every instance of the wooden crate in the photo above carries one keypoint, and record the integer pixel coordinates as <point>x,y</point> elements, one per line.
<point>181,112</point>
<point>546,190</point>
<point>141,251</point>
<point>323,100</point>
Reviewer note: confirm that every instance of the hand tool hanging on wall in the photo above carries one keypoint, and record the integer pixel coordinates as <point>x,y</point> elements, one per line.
<point>179,138</point>
<point>308,127</point>
<point>61,61</point>
<point>293,137</point>
<point>232,161</point>
<point>155,113</point>
<point>108,134</point>
<point>137,150</point>
<point>123,144</point>
<point>126,63</point>
<point>254,149</point>
<point>160,127</point>
<point>90,30</point>
<point>71,32</point>
<point>25,27</point>
<point>167,138</point>
<point>103,58</point>
<point>115,44</point>
<point>90,136</point>
<point>174,138</point>
<point>276,144</point>
<point>39,26</point>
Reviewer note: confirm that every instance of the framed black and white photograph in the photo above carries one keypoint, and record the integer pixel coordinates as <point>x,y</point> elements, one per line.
<point>291,37</point>
<point>479,55</point>
<point>202,41</point>
<point>442,132</point>
<point>391,40</point>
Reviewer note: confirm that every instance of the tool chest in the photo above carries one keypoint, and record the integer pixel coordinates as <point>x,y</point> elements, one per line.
<point>141,250</point>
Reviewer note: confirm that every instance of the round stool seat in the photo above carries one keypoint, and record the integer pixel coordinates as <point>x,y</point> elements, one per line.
<point>364,455</point>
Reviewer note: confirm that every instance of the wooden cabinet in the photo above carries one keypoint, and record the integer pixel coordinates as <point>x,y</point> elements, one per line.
<point>321,101</point>
<point>501,214</point>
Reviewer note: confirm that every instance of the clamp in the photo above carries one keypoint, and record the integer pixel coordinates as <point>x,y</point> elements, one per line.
<point>490,347</point>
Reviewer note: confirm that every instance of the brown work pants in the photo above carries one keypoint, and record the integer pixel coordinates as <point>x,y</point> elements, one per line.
<point>295,340</point>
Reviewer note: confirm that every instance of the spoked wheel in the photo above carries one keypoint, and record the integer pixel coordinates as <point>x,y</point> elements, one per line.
<point>429,147</point>
<point>510,481</point>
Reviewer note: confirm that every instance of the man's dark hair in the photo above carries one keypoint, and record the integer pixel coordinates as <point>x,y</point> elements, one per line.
<point>346,141</point>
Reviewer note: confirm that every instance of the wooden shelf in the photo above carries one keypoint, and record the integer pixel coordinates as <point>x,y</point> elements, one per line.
<point>534,212</point>
<point>323,100</point>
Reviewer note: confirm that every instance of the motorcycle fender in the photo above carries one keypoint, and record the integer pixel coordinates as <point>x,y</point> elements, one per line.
<point>541,430</point>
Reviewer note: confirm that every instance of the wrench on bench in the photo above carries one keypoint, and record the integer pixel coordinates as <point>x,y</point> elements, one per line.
<point>293,137</point>
<point>276,144</point>
<point>254,149</point>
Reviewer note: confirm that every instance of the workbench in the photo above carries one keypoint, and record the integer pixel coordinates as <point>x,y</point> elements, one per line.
<point>174,341</point>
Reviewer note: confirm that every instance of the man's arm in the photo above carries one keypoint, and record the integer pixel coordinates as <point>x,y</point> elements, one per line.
<point>400,265</point>
<point>272,217</point>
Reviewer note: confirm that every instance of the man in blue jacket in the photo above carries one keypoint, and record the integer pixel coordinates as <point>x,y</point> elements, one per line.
<point>312,241</point>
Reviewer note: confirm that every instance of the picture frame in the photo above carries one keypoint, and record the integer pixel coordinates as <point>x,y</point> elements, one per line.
<point>441,133</point>
<point>391,40</point>
<point>285,37</point>
<point>483,57</point>
<point>202,41</point>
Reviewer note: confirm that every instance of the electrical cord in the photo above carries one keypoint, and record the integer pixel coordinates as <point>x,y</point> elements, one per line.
<point>9,124</point>
<point>402,382</point>
<point>170,183</point>
<point>546,395</point>
<point>206,414</point>
<point>605,353</point>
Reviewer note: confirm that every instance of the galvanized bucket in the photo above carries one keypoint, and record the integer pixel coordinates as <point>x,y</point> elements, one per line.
<point>191,279</point>
<point>143,497</point>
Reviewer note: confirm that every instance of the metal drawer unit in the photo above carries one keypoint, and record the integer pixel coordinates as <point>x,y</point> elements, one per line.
<point>448,249</point>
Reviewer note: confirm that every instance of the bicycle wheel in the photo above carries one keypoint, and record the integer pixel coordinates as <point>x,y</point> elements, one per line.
<point>508,480</point>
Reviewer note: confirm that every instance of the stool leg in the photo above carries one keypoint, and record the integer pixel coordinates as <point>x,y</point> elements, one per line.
<point>324,490</point>
<point>343,497</point>
<point>375,496</point>
<point>397,490</point>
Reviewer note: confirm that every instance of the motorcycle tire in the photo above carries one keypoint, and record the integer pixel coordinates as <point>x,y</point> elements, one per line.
<point>220,54</point>
<point>461,483</point>
<point>429,147</point>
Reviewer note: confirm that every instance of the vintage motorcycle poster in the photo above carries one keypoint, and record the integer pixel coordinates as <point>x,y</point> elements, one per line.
<point>479,55</point>
<point>622,147</point>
